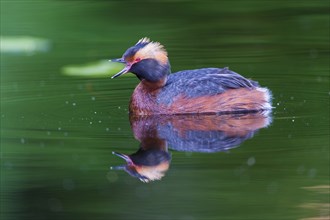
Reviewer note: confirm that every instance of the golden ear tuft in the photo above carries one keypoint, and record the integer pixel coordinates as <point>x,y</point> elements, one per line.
<point>143,40</point>
<point>152,50</point>
<point>153,173</point>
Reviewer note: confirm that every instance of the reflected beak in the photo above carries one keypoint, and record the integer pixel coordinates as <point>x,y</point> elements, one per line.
<point>125,157</point>
<point>123,71</point>
<point>121,167</point>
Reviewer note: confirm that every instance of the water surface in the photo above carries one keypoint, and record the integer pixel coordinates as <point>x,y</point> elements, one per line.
<point>58,132</point>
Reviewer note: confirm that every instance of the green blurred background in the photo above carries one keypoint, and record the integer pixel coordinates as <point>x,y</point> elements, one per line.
<point>62,116</point>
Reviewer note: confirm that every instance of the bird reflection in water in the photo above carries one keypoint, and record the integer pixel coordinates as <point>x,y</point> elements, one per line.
<point>189,133</point>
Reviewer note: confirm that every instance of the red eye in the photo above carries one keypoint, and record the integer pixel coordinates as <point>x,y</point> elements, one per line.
<point>137,59</point>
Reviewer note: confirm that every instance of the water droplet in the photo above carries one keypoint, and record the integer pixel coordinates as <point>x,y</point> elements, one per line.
<point>93,98</point>
<point>112,177</point>
<point>312,173</point>
<point>59,128</point>
<point>8,165</point>
<point>66,102</point>
<point>90,122</point>
<point>100,121</point>
<point>292,120</point>
<point>251,161</point>
<point>22,140</point>
<point>74,104</point>
<point>68,184</point>
<point>107,129</point>
<point>188,154</point>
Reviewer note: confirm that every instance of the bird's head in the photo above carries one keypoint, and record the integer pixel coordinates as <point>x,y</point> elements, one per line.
<point>147,60</point>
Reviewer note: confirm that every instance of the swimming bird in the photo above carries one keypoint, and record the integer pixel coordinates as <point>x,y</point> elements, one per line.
<point>206,90</point>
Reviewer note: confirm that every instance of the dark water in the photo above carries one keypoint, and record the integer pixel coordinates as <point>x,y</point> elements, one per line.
<point>58,132</point>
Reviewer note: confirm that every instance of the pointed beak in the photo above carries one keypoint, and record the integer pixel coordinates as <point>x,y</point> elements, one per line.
<point>118,60</point>
<point>123,71</point>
